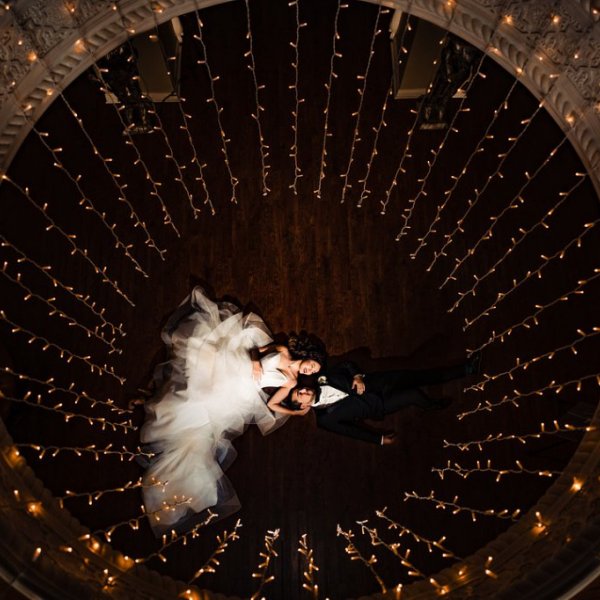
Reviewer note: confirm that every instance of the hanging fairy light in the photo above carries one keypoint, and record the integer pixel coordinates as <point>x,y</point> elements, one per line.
<point>456,508</point>
<point>361,97</point>
<point>264,149</point>
<point>402,530</point>
<point>522,437</point>
<point>71,391</point>
<point>486,467</point>
<point>94,496</point>
<point>309,583</point>
<point>328,87</point>
<point>533,319</point>
<point>354,554</point>
<point>223,541</point>
<point>212,99</point>
<point>267,555</point>
<point>295,4</point>
<point>546,260</point>
<point>365,192</point>
<point>79,451</point>
<point>124,426</point>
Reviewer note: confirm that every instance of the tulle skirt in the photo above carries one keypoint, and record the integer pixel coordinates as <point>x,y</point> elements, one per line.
<point>206,398</point>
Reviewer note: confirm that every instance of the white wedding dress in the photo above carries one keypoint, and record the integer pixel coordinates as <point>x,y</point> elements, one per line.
<point>206,399</point>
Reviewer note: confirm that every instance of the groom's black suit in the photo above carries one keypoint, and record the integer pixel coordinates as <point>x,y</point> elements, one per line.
<point>385,393</point>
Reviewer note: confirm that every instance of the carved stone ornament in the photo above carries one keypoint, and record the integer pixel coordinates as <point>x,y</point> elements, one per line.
<point>542,556</point>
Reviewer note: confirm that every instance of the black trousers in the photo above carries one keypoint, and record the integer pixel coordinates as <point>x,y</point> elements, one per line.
<point>386,393</point>
<point>399,389</point>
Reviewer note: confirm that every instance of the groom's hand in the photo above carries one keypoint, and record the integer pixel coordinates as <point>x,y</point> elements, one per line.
<point>358,384</point>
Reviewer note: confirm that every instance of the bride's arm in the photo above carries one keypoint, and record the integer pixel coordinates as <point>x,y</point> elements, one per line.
<point>278,397</point>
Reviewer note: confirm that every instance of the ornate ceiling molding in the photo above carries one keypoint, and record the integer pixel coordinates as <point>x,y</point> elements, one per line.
<point>44,48</point>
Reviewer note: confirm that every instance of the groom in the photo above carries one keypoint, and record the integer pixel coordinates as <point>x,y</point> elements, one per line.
<point>345,397</point>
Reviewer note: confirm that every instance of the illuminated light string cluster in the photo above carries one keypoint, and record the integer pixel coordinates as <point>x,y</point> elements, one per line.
<point>85,201</point>
<point>346,186</point>
<point>506,20</point>
<point>80,45</point>
<point>394,548</point>
<point>448,194</point>
<point>355,554</point>
<point>185,118</point>
<point>267,555</point>
<point>77,395</point>
<point>456,508</point>
<point>409,210</point>
<point>223,541</point>
<point>515,203</point>
<point>546,260</point>
<point>405,152</point>
<point>365,192</point>
<point>134,522</point>
<point>55,311</point>
<point>218,109</point>
<point>563,197</point>
<point>167,219</point>
<point>533,318</point>
<point>472,202</point>
<point>295,4</point>
<point>328,87</point>
<point>79,451</point>
<point>175,538</point>
<point>521,437</point>
<point>124,426</point>
<point>69,237</point>
<point>308,574</point>
<point>524,365</point>
<point>264,149</point>
<point>63,353</point>
<point>115,177</point>
<point>79,297</point>
<point>553,386</point>
<point>464,472</point>
<point>180,179</point>
<point>402,530</point>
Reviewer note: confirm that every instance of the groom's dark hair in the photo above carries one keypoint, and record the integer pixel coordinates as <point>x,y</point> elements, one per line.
<point>304,382</point>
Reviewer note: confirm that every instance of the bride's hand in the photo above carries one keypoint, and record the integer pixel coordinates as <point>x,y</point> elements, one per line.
<point>257,370</point>
<point>303,411</point>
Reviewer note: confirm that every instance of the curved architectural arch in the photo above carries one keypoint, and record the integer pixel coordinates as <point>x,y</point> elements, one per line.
<point>45,47</point>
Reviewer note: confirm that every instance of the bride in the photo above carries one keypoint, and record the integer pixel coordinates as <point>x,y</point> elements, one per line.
<point>215,384</point>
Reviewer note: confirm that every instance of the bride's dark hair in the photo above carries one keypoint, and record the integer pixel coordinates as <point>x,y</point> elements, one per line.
<point>304,346</point>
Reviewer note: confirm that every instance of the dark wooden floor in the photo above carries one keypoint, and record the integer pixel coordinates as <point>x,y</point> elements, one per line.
<point>314,264</point>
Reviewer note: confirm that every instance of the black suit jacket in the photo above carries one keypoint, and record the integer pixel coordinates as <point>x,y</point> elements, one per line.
<point>368,405</point>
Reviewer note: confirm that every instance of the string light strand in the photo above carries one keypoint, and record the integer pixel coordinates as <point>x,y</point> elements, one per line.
<point>361,97</point>
<point>267,555</point>
<point>464,472</point>
<point>297,100</point>
<point>63,352</point>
